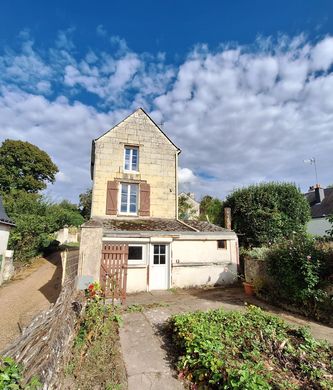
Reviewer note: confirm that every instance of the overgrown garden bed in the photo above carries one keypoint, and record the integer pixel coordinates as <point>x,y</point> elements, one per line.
<point>96,361</point>
<point>251,350</point>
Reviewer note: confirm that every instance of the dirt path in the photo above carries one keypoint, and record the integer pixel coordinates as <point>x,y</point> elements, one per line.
<point>31,291</point>
<point>145,347</point>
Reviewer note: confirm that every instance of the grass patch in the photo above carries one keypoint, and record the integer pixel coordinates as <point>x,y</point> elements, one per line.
<point>96,361</point>
<point>251,350</point>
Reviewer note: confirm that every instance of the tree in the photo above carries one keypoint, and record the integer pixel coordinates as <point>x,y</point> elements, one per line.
<point>185,209</point>
<point>65,214</point>
<point>267,212</point>
<point>36,220</point>
<point>85,203</point>
<point>24,166</point>
<point>211,209</point>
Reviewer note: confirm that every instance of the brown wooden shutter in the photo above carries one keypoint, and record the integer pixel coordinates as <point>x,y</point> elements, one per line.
<point>111,198</point>
<point>144,200</point>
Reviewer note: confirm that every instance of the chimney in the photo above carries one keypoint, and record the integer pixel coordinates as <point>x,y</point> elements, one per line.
<point>319,194</point>
<point>227,218</point>
<point>191,195</point>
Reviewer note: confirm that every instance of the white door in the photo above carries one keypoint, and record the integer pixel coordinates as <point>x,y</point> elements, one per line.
<point>159,267</point>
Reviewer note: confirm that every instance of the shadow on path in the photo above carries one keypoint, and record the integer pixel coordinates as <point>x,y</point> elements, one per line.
<point>52,288</point>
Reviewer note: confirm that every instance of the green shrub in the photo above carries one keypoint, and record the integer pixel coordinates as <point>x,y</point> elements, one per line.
<point>259,253</point>
<point>11,376</point>
<point>36,220</point>
<point>251,350</point>
<point>295,267</point>
<point>267,212</point>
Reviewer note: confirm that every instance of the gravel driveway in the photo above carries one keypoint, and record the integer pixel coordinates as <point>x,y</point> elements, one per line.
<point>32,290</point>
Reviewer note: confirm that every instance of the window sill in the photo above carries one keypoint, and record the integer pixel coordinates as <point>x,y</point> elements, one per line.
<point>131,172</point>
<point>142,265</point>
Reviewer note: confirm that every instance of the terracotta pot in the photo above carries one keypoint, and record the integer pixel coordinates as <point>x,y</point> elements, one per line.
<point>248,288</point>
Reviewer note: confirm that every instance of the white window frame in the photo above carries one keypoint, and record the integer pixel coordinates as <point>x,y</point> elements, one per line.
<point>131,148</point>
<point>138,261</point>
<point>128,199</point>
<point>159,255</point>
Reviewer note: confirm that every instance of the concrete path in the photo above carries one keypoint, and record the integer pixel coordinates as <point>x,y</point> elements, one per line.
<point>33,289</point>
<point>146,349</point>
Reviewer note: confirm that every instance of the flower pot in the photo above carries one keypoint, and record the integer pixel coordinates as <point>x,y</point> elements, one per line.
<point>248,288</point>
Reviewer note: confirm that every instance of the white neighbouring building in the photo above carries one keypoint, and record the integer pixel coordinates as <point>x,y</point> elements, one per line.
<point>6,257</point>
<point>134,211</point>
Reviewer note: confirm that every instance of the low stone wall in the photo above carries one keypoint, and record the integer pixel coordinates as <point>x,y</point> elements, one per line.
<point>68,235</point>
<point>70,264</point>
<point>45,344</point>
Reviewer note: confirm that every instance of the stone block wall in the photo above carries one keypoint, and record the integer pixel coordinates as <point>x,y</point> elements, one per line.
<point>255,269</point>
<point>157,164</point>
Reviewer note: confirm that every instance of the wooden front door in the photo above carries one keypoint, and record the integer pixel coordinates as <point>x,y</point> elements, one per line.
<point>113,276</point>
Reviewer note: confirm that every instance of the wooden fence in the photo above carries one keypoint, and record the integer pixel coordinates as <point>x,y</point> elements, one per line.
<point>113,274</point>
<point>46,343</point>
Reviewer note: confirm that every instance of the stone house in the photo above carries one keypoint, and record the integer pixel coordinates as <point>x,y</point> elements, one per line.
<point>194,212</point>
<point>134,226</point>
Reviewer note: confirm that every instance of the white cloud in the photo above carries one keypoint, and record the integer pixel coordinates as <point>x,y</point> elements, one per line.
<point>239,114</point>
<point>322,54</point>
<point>62,177</point>
<point>186,176</point>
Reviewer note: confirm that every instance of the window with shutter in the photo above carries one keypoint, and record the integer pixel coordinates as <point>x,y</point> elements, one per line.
<point>128,198</point>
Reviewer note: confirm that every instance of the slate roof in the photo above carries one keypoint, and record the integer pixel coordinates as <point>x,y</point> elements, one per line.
<point>324,208</point>
<point>3,216</point>
<point>160,224</point>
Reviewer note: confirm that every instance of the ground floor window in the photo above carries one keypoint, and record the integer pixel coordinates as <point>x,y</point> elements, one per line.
<point>159,254</point>
<point>135,254</point>
<point>221,244</point>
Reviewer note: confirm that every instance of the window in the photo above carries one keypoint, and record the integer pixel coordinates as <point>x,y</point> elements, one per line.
<point>131,159</point>
<point>159,254</point>
<point>221,244</point>
<point>129,198</point>
<point>135,254</point>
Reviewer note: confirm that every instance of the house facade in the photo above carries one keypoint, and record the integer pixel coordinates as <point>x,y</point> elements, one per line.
<point>134,223</point>
<point>321,205</point>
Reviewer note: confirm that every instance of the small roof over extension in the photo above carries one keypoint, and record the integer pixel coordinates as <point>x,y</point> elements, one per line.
<point>154,225</point>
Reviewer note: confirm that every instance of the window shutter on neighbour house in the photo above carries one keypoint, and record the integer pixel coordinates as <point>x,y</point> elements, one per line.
<point>111,198</point>
<point>144,200</point>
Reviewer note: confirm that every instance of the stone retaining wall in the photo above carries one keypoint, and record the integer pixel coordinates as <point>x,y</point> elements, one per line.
<point>44,346</point>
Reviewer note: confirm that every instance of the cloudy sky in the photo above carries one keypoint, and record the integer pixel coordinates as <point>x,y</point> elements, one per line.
<point>244,89</point>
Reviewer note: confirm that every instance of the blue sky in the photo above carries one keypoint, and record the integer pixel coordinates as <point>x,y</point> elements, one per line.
<point>244,88</point>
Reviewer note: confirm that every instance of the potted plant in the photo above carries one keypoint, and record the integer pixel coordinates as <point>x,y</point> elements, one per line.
<point>248,288</point>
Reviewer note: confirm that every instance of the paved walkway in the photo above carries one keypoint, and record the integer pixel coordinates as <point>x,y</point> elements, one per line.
<point>31,291</point>
<point>146,349</point>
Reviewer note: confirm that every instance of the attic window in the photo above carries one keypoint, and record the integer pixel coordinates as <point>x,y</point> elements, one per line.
<point>131,159</point>
<point>221,244</point>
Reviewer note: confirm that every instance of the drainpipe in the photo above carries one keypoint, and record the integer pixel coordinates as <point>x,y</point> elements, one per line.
<point>176,178</point>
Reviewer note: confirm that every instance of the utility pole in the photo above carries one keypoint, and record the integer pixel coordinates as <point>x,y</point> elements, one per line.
<point>312,161</point>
